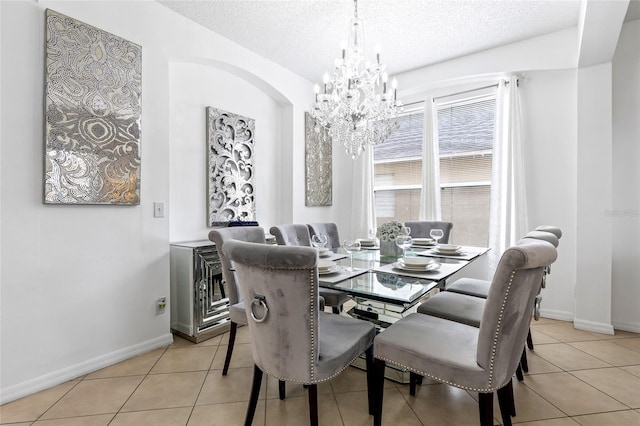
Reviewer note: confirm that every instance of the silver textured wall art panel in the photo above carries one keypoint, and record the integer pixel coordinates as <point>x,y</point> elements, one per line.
<point>230,166</point>
<point>318,165</point>
<point>93,84</point>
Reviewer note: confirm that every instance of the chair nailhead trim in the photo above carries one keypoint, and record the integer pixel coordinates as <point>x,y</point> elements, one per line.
<point>314,305</point>
<point>499,327</point>
<point>436,378</point>
<point>336,374</point>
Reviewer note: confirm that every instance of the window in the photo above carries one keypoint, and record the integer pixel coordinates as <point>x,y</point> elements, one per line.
<point>465,133</point>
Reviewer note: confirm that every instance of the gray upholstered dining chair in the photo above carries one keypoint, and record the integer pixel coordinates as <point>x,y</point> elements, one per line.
<point>291,339</point>
<point>298,235</point>
<point>329,229</point>
<point>480,359</point>
<point>480,288</point>
<point>291,234</point>
<point>421,229</point>
<point>468,308</point>
<point>237,312</point>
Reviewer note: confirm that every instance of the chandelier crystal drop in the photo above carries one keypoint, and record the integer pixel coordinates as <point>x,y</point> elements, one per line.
<point>355,106</point>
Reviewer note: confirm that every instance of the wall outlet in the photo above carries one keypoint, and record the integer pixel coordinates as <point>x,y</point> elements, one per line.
<point>161,305</point>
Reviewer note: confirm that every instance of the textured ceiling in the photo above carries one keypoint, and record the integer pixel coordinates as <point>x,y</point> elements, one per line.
<point>304,35</point>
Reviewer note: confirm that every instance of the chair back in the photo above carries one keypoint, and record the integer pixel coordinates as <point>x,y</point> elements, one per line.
<point>285,278</point>
<point>545,236</point>
<point>508,308</point>
<point>329,229</point>
<point>220,236</point>
<point>291,235</point>
<point>421,229</point>
<point>550,228</point>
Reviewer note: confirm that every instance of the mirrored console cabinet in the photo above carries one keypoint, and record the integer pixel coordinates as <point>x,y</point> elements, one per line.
<point>199,304</point>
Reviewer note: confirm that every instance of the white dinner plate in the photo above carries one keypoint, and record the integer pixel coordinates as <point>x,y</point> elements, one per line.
<point>364,242</point>
<point>416,261</point>
<point>331,270</point>
<point>433,266</point>
<point>448,247</point>
<point>423,242</point>
<point>448,252</point>
<point>325,264</point>
<point>325,253</point>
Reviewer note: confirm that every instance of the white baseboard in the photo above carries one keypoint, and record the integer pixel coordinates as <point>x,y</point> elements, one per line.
<point>63,375</point>
<point>633,328</point>
<point>596,327</point>
<point>557,315</point>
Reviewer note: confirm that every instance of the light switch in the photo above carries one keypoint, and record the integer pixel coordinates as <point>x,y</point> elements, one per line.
<point>158,209</point>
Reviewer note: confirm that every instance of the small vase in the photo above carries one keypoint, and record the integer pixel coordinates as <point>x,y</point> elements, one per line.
<point>390,249</point>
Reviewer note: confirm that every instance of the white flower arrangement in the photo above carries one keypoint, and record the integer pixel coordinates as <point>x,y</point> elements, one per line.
<point>387,232</point>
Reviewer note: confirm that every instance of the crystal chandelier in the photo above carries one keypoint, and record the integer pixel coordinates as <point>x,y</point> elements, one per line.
<point>355,106</point>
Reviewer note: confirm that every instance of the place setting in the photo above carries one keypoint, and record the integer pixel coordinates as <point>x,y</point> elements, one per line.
<point>331,272</point>
<point>320,243</point>
<point>327,267</point>
<point>423,242</point>
<point>448,250</point>
<point>370,243</point>
<point>416,264</point>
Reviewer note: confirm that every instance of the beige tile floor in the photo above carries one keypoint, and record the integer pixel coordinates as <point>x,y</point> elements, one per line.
<point>575,377</point>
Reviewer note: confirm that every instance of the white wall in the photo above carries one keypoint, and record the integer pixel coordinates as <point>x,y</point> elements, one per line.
<point>549,113</point>
<point>625,213</point>
<point>194,86</point>
<point>593,227</point>
<point>80,282</point>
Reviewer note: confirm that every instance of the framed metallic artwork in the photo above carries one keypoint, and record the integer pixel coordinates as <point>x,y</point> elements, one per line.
<point>230,165</point>
<point>318,164</point>
<point>93,88</point>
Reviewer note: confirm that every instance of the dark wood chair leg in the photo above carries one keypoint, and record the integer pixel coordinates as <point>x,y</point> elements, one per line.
<point>485,405</point>
<point>313,405</point>
<point>255,392</point>
<point>507,404</point>
<point>529,340</point>
<point>519,374</point>
<point>281,389</point>
<point>413,380</point>
<point>523,361</point>
<point>378,369</point>
<point>232,339</point>
<point>370,382</point>
<point>512,399</point>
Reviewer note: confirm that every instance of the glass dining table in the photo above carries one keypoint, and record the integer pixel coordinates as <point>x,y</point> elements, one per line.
<point>385,292</point>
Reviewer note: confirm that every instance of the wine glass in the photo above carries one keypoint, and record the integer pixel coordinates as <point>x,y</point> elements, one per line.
<point>436,234</point>
<point>351,246</point>
<point>319,240</point>
<point>404,242</point>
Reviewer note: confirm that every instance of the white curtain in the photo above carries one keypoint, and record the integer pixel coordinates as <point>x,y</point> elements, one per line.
<point>363,217</point>
<point>430,195</point>
<point>508,213</point>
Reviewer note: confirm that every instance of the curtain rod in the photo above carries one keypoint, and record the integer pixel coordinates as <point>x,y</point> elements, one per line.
<point>466,91</point>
